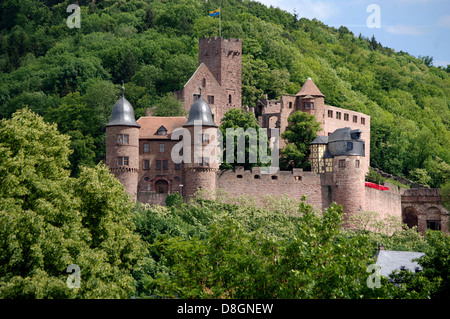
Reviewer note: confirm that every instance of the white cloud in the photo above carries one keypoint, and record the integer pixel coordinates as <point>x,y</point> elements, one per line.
<point>444,21</point>
<point>441,63</point>
<point>401,29</point>
<point>321,10</point>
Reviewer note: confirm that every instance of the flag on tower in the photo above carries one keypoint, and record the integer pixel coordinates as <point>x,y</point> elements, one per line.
<point>214,13</point>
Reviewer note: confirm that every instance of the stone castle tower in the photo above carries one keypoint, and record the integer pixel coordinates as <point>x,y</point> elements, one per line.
<point>122,145</point>
<point>223,57</point>
<point>201,172</point>
<point>219,75</point>
<point>341,157</point>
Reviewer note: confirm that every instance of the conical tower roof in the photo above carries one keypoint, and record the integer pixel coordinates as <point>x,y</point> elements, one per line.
<point>122,113</point>
<point>309,88</point>
<point>200,112</point>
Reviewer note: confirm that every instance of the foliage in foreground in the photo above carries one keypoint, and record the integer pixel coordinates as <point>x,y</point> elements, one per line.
<point>49,220</point>
<point>208,249</point>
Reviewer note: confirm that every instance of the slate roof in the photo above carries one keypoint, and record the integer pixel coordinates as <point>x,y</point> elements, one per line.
<point>390,260</point>
<point>122,113</point>
<point>200,112</point>
<point>320,140</point>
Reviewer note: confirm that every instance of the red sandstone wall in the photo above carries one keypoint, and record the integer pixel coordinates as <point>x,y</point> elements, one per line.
<point>385,203</point>
<point>154,174</point>
<point>308,183</point>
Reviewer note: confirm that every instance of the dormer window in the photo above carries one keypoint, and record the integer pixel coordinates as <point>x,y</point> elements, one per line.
<point>161,131</point>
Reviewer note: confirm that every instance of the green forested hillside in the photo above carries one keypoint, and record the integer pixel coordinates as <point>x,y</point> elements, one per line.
<point>73,76</point>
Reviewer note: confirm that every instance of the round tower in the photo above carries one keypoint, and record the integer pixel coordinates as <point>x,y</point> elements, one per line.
<point>122,145</point>
<point>347,149</point>
<point>200,173</point>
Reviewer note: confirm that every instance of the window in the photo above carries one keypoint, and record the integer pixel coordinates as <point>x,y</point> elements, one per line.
<point>349,145</point>
<point>345,117</point>
<point>229,98</point>
<point>257,177</point>
<point>298,178</point>
<point>308,105</point>
<point>210,99</point>
<point>158,164</point>
<point>330,113</point>
<point>205,138</point>
<point>355,119</point>
<point>149,187</point>
<point>165,164</point>
<point>146,164</point>
<point>204,82</point>
<point>434,224</point>
<point>123,139</point>
<point>123,161</point>
<point>239,176</point>
<point>363,121</point>
<point>146,148</point>
<point>177,165</point>
<point>290,105</point>
<point>203,161</point>
<point>161,147</point>
<point>357,163</point>
<point>176,178</point>
<point>341,163</point>
<point>196,97</point>
<point>162,130</point>
<point>274,177</point>
<point>338,115</point>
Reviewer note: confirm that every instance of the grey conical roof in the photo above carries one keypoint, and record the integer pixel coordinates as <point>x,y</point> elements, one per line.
<point>122,114</point>
<point>200,112</point>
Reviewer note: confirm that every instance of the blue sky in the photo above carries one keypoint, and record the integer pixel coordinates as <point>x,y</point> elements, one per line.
<point>419,27</point>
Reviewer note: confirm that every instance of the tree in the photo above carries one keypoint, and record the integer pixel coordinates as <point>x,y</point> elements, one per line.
<point>168,105</point>
<point>299,134</point>
<point>49,221</point>
<point>242,129</point>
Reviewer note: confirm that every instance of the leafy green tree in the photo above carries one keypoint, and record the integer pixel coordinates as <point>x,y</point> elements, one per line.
<point>49,221</point>
<point>245,141</point>
<point>298,135</point>
<point>168,105</point>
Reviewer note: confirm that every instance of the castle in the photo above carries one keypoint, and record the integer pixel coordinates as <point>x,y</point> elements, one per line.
<point>141,153</point>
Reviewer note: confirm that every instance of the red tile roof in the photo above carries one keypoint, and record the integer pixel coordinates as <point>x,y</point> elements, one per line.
<point>309,88</point>
<point>151,124</point>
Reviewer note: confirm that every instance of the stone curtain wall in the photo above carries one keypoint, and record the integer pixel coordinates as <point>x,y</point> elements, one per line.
<point>294,184</point>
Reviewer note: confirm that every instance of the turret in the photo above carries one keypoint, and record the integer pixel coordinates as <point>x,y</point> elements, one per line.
<point>310,99</point>
<point>122,145</point>
<point>347,150</point>
<point>200,173</point>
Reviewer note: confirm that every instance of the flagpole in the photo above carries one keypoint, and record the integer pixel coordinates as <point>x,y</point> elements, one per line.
<point>220,26</point>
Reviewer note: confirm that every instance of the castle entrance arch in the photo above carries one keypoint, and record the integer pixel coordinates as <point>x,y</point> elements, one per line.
<point>409,216</point>
<point>162,186</point>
